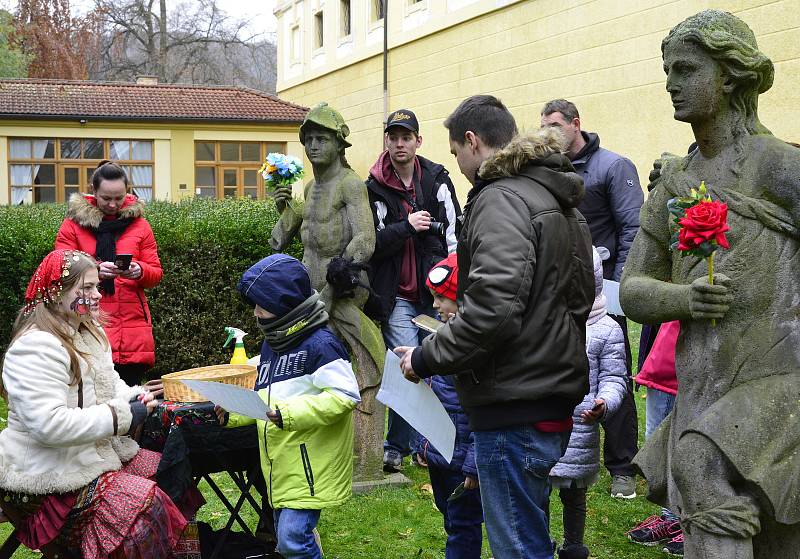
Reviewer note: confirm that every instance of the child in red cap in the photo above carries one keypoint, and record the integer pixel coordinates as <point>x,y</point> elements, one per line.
<point>455,484</point>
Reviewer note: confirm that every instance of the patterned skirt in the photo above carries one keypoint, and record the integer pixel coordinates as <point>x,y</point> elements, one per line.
<point>121,514</point>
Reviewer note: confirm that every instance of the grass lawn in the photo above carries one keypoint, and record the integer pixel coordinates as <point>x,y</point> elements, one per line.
<point>403,523</point>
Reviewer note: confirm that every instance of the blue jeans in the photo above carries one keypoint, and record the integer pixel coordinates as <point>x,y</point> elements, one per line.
<point>514,468</point>
<point>400,331</point>
<point>294,530</point>
<point>462,517</point>
<point>658,406</point>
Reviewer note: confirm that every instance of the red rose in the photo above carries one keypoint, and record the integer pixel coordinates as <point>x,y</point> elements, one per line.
<point>706,221</point>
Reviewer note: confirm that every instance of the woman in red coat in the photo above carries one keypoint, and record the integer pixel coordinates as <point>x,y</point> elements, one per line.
<point>105,224</point>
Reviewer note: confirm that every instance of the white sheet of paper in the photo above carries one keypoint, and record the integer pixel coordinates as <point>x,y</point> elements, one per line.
<point>232,398</point>
<point>418,405</point>
<point>611,291</point>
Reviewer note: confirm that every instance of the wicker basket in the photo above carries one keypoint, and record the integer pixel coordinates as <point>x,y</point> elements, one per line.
<point>238,375</point>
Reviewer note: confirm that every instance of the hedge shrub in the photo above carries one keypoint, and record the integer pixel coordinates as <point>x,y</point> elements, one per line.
<point>204,246</point>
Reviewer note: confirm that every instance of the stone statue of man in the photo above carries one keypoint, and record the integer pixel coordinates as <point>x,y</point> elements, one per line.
<point>337,222</point>
<point>726,460</point>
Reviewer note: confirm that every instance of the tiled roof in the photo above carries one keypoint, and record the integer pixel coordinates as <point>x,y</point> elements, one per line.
<point>60,99</point>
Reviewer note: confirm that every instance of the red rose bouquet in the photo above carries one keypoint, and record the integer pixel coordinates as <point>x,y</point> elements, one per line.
<point>699,227</point>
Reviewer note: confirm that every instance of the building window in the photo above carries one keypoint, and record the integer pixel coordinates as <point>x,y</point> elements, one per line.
<point>52,169</point>
<point>296,51</point>
<point>318,30</point>
<point>344,14</point>
<point>378,9</point>
<point>230,169</point>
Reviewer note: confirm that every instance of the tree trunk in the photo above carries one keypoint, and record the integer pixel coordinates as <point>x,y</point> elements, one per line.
<point>162,45</point>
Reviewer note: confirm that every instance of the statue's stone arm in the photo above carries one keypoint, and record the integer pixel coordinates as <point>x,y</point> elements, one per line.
<point>647,294</point>
<point>285,229</point>
<point>362,245</point>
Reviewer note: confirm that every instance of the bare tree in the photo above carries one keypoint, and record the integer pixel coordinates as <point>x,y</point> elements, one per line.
<point>58,45</point>
<point>196,42</point>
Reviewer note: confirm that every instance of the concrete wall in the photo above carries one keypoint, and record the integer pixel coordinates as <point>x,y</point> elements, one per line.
<point>604,55</point>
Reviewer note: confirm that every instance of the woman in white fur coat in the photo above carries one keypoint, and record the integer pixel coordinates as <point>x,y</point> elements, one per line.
<point>66,462</point>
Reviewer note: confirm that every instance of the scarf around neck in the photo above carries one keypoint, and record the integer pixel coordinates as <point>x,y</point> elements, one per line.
<point>286,331</point>
<point>106,235</point>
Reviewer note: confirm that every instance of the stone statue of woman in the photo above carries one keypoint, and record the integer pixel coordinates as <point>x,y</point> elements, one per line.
<point>727,460</point>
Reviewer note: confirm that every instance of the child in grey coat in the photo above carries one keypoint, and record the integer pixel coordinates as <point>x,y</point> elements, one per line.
<point>578,468</point>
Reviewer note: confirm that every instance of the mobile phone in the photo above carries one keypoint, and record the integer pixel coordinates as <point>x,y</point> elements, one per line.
<point>123,261</point>
<point>457,492</point>
<point>427,323</point>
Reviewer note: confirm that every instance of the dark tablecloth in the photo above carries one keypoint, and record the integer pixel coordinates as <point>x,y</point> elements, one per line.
<point>193,443</point>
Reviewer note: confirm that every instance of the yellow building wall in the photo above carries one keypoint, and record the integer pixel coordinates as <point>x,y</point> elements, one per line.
<point>604,55</point>
<point>173,146</point>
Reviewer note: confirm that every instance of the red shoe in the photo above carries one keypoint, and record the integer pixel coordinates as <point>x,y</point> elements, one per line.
<point>657,533</point>
<point>646,522</point>
<point>674,546</point>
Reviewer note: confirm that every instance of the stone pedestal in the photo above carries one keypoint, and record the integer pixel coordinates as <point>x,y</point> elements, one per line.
<point>397,479</point>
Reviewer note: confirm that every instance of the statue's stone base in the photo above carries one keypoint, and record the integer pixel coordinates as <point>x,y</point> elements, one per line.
<point>397,479</point>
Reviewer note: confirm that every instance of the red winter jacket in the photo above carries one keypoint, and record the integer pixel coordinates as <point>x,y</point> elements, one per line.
<point>658,370</point>
<point>129,327</point>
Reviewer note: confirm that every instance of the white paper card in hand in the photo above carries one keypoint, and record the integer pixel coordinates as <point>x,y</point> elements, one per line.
<point>611,291</point>
<point>418,405</point>
<point>231,398</point>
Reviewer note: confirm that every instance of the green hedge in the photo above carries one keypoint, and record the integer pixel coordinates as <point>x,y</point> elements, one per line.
<point>204,246</point>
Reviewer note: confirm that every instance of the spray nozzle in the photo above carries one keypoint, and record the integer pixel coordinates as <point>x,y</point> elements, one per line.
<point>234,333</point>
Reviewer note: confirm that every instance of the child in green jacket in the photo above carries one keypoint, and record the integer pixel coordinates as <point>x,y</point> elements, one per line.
<point>306,378</point>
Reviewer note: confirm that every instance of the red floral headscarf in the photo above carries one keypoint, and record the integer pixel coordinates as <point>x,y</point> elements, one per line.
<point>45,285</point>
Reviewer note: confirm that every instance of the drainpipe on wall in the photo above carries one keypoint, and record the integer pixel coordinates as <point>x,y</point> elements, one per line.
<point>385,65</point>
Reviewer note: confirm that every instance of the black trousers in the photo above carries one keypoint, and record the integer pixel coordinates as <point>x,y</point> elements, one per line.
<point>573,514</point>
<point>622,429</point>
<point>132,373</point>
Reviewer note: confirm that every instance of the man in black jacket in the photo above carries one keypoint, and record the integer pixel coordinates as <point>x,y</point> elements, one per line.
<point>414,207</point>
<point>517,346</point>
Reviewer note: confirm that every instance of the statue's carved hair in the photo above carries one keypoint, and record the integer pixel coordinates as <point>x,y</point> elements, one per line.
<point>729,41</point>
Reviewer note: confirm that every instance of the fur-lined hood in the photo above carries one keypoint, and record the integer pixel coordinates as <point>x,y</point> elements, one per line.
<point>539,155</point>
<point>83,209</point>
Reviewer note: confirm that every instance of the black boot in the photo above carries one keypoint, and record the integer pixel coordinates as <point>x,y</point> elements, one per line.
<point>574,551</point>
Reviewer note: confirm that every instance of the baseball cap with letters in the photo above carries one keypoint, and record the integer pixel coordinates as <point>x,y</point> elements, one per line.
<point>403,117</point>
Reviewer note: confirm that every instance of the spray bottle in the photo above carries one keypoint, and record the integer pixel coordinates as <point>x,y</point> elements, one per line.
<point>239,355</point>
